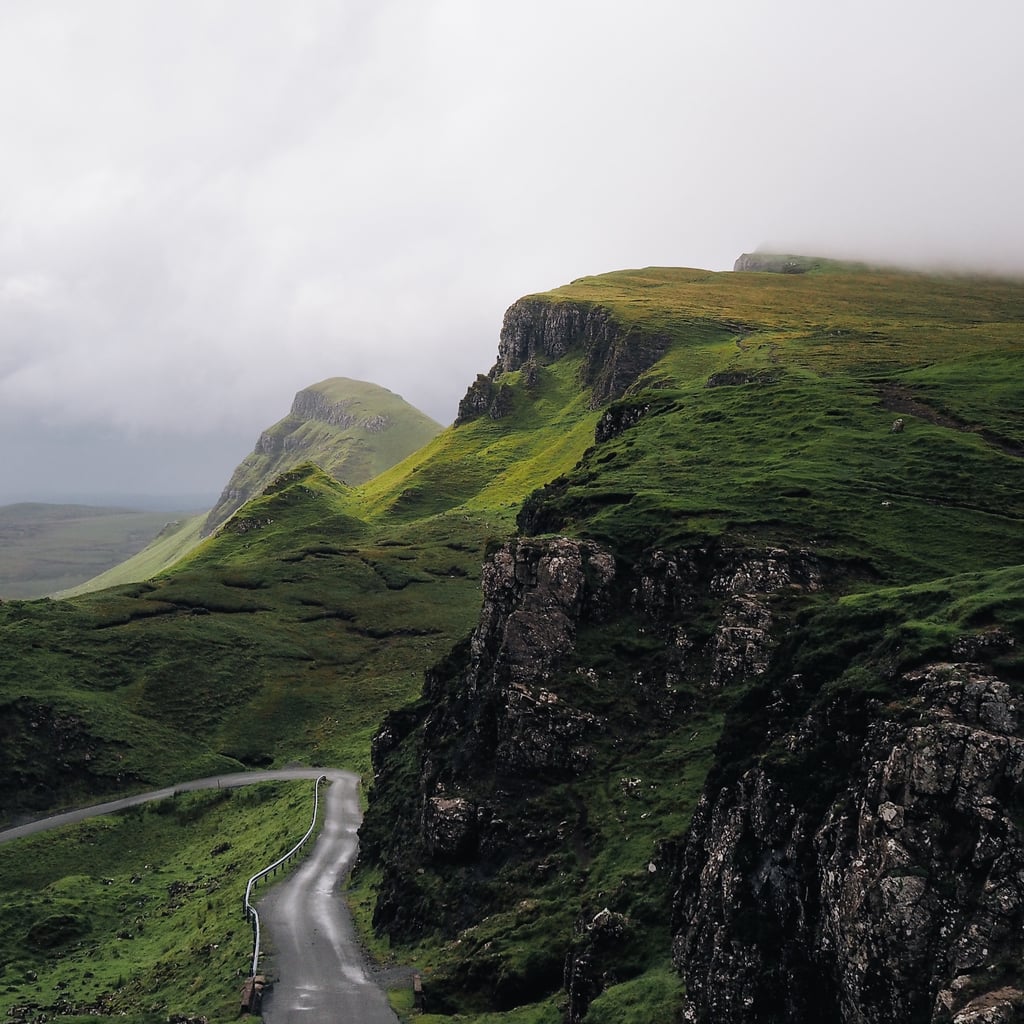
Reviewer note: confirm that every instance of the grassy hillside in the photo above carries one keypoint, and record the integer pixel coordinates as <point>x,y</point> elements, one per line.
<point>351,429</point>
<point>49,548</point>
<point>316,609</point>
<point>171,544</point>
<point>772,418</point>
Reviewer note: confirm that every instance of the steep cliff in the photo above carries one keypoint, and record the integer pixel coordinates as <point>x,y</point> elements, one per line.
<point>695,719</point>
<point>869,865</point>
<point>536,331</point>
<point>492,795</point>
<point>350,429</point>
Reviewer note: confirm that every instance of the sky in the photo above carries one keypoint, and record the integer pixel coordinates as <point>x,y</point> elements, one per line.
<point>207,205</point>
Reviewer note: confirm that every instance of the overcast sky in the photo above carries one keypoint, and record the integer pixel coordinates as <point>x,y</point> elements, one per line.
<point>206,205</point>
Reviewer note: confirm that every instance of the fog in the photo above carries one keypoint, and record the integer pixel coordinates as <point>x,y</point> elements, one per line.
<point>206,206</point>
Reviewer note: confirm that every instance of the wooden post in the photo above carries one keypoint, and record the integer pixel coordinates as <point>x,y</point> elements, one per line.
<point>417,992</point>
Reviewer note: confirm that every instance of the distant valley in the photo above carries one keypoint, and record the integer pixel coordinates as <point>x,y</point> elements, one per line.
<point>47,548</point>
<point>353,429</point>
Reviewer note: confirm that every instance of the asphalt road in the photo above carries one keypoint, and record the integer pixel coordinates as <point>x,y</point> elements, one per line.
<point>311,951</point>
<point>214,782</point>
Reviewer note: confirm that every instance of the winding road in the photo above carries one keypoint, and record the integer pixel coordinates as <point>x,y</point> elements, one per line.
<point>312,953</point>
<point>319,971</point>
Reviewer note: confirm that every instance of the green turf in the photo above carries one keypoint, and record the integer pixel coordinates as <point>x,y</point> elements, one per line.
<point>109,918</point>
<point>317,608</point>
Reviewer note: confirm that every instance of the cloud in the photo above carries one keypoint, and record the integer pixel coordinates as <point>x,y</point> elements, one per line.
<point>205,206</point>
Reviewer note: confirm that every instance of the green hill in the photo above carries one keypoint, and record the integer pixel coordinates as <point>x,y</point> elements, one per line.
<point>673,527</point>
<point>352,429</point>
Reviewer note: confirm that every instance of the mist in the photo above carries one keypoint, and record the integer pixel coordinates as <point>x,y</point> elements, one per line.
<point>207,207</point>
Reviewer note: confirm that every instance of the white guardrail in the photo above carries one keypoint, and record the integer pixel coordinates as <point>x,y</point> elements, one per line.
<point>247,908</point>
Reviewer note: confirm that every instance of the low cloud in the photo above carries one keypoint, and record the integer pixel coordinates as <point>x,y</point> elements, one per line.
<point>205,207</point>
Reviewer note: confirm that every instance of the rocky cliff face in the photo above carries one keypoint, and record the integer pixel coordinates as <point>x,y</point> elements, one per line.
<point>855,856</point>
<point>886,886</point>
<point>532,705</point>
<point>537,331</point>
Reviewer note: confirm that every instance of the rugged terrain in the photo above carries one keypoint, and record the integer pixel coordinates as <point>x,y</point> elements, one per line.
<point>350,429</point>
<point>716,585</point>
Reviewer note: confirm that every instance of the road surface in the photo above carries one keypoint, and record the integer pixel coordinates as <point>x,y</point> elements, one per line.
<point>214,782</point>
<point>312,953</point>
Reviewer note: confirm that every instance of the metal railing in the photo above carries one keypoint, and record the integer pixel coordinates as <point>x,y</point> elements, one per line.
<point>248,910</point>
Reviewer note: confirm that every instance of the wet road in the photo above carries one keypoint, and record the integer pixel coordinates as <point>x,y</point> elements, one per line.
<point>213,782</point>
<point>311,949</point>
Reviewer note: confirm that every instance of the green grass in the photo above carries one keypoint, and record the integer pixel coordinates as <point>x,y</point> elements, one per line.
<point>351,429</point>
<point>318,607</point>
<point>654,997</point>
<point>137,914</point>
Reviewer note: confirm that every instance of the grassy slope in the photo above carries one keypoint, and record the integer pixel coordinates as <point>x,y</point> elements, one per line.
<point>173,542</point>
<point>808,457</point>
<point>288,635</point>
<point>801,454</point>
<point>110,918</point>
<point>351,452</point>
<point>290,632</point>
<point>49,548</point>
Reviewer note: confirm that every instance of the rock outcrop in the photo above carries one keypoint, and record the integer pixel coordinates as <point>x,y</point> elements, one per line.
<point>889,887</point>
<point>531,703</point>
<point>537,331</point>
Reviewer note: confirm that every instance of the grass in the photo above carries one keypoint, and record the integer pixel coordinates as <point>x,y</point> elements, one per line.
<point>137,914</point>
<point>351,429</point>
<point>318,607</point>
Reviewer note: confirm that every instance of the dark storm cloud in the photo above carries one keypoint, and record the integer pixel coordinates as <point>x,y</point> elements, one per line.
<point>207,206</point>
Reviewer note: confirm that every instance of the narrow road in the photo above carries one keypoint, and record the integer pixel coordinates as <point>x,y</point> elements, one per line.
<point>318,966</point>
<point>214,782</point>
<point>312,952</point>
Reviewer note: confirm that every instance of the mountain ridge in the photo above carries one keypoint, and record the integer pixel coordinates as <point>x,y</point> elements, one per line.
<point>590,631</point>
<point>329,423</point>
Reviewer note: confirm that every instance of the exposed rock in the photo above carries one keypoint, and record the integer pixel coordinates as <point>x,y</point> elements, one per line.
<point>537,331</point>
<point>477,400</point>
<point>619,419</point>
<point>736,378</point>
<point>591,962</point>
<point>773,263</point>
<point>888,891</point>
<point>507,714</point>
<point>449,827</point>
